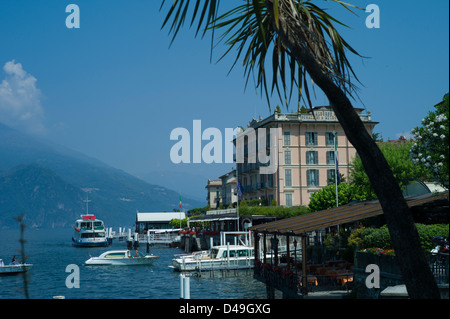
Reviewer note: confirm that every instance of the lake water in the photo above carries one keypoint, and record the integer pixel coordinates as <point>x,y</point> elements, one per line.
<point>51,251</point>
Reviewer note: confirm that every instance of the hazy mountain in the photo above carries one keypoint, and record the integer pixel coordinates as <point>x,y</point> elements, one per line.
<point>36,177</point>
<point>189,185</point>
<point>39,193</point>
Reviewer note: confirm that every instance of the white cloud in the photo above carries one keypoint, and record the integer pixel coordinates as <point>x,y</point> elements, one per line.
<point>20,100</point>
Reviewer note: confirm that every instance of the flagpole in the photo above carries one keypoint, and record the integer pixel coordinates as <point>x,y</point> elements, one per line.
<point>336,167</point>
<point>180,211</point>
<point>237,192</point>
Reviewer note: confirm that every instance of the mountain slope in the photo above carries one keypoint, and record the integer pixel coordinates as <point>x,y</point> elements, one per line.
<point>115,195</point>
<point>41,195</point>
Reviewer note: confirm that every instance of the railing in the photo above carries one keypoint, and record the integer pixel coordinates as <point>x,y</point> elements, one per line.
<point>158,237</point>
<point>202,261</point>
<point>291,281</point>
<point>439,267</point>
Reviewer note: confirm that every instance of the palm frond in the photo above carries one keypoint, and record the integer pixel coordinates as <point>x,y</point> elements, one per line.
<point>250,30</point>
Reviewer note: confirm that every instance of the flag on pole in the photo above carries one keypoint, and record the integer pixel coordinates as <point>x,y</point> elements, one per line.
<point>239,188</point>
<point>180,202</point>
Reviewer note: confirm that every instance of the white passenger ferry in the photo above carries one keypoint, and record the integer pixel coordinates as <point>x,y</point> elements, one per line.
<point>89,232</point>
<point>217,258</point>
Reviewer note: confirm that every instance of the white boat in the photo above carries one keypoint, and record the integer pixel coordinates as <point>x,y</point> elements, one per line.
<point>13,268</point>
<point>217,258</point>
<point>89,232</point>
<point>121,257</point>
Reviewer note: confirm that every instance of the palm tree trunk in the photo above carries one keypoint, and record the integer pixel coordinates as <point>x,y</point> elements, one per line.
<point>417,275</point>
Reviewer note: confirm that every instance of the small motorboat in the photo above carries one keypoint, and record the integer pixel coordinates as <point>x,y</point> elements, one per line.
<point>121,258</point>
<point>13,268</point>
<point>217,258</point>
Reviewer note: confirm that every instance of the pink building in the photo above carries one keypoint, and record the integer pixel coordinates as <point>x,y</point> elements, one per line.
<point>305,154</point>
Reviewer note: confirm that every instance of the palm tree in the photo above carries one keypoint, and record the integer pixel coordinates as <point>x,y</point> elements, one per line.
<point>300,40</point>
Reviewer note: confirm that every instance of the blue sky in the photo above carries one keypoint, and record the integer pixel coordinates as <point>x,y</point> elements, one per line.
<point>114,89</point>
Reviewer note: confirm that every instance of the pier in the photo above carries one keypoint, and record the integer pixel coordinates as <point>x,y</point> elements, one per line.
<point>167,237</point>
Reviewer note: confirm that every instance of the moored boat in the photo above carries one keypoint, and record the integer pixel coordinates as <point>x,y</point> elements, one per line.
<point>121,258</point>
<point>217,258</point>
<point>13,268</point>
<point>89,232</point>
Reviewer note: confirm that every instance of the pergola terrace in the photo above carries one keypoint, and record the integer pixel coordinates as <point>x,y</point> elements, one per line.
<point>299,226</point>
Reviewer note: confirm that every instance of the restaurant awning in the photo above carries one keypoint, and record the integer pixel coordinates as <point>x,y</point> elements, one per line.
<point>337,216</point>
<point>210,218</point>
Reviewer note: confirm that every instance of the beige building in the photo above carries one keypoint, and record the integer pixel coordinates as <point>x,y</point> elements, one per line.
<point>214,197</point>
<point>222,191</point>
<point>229,194</point>
<point>305,154</point>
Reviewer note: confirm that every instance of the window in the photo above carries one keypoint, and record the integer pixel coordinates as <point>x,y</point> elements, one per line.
<point>312,176</point>
<point>311,138</point>
<point>331,173</point>
<point>329,136</point>
<point>311,157</point>
<point>288,199</point>
<point>116,255</point>
<point>287,138</point>
<point>288,177</point>
<point>287,157</point>
<point>330,157</point>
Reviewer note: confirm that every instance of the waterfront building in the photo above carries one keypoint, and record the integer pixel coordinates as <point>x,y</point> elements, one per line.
<point>222,191</point>
<point>305,152</point>
<point>156,220</point>
<point>214,189</point>
<point>228,192</point>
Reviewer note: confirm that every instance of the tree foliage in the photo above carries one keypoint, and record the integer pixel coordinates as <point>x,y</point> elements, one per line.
<point>326,197</point>
<point>276,211</point>
<point>398,158</point>
<point>380,238</point>
<point>431,147</point>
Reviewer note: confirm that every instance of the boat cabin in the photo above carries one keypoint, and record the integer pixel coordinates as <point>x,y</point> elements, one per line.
<point>89,222</point>
<point>116,254</point>
<point>235,251</point>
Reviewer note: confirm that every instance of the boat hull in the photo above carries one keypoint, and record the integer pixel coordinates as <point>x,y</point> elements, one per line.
<point>89,243</point>
<point>222,257</point>
<point>212,264</point>
<point>12,270</point>
<point>129,261</point>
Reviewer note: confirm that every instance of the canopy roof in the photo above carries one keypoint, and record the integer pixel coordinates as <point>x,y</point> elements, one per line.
<point>339,215</point>
<point>159,216</point>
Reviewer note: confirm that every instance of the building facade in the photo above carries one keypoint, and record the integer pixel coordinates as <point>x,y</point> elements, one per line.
<point>305,153</point>
<point>156,220</point>
<point>214,190</point>
<point>229,194</point>
<point>222,191</point>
